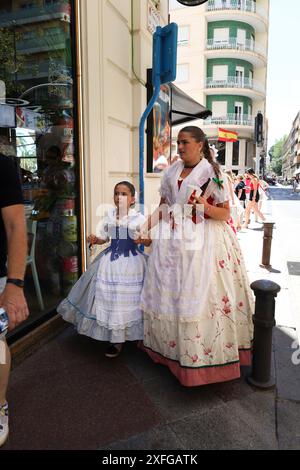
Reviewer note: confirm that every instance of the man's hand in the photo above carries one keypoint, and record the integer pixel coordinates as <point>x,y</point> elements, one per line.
<point>14,303</point>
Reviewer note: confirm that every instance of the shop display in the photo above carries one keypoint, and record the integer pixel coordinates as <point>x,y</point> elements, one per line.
<point>37,130</point>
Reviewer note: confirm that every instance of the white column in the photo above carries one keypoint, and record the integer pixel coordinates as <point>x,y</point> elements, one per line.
<point>257,159</point>
<point>242,155</point>
<point>228,155</point>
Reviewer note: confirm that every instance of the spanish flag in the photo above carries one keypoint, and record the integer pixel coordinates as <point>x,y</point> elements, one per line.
<point>226,136</point>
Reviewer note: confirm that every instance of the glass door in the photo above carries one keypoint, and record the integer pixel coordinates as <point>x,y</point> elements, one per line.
<point>37,130</point>
<point>238,112</point>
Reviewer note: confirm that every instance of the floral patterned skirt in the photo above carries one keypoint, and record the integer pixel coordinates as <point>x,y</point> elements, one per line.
<point>198,307</point>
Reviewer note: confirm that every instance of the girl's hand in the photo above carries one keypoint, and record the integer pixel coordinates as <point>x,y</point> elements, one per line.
<point>143,241</point>
<point>142,238</point>
<point>92,239</point>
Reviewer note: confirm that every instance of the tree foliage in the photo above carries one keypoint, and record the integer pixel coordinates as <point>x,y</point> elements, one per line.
<point>276,154</point>
<point>11,61</point>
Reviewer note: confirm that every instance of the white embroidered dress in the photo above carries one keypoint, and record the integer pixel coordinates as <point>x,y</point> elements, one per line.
<point>196,299</point>
<point>105,302</point>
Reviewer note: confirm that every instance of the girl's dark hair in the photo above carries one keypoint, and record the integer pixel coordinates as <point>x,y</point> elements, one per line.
<point>199,136</point>
<point>129,186</point>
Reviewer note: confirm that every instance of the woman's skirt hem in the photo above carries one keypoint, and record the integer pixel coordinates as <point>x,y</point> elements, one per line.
<point>192,377</point>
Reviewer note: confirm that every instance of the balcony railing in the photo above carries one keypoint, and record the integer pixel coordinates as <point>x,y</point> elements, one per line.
<point>231,119</point>
<point>26,14</point>
<point>46,43</point>
<point>234,43</point>
<point>235,82</point>
<point>241,5</point>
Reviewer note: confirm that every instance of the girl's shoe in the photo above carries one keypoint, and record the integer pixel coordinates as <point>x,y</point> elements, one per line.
<point>113,350</point>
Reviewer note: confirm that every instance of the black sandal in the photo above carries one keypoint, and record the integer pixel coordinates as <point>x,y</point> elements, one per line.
<point>113,350</point>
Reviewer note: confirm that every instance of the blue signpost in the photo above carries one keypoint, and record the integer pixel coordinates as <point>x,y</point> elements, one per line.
<point>164,63</point>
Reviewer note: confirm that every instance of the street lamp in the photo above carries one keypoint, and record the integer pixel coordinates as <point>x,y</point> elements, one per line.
<point>191,3</point>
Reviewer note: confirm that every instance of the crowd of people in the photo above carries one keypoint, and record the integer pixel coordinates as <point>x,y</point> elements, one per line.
<point>247,193</point>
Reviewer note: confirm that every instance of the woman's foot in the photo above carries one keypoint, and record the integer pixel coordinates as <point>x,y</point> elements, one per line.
<point>113,350</point>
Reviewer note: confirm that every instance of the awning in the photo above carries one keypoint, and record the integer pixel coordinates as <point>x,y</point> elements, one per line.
<point>184,108</point>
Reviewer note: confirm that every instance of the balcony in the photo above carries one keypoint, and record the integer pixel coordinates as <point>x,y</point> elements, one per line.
<point>248,50</point>
<point>231,120</point>
<point>38,14</point>
<point>246,11</point>
<point>246,87</point>
<point>243,124</point>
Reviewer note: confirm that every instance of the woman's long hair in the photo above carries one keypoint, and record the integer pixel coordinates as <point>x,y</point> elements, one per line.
<point>199,136</point>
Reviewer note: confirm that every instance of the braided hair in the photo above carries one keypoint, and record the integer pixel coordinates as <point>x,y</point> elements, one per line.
<point>199,136</point>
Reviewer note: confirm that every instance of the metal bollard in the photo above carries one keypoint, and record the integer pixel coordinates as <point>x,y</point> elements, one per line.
<point>264,319</point>
<point>268,235</point>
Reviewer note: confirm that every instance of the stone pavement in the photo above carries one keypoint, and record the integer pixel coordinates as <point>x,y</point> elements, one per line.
<point>67,395</point>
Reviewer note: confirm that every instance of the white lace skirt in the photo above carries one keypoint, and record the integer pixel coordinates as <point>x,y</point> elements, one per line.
<point>105,302</point>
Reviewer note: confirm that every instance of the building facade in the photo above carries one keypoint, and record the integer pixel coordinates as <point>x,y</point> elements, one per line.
<point>222,63</point>
<point>291,151</point>
<point>72,90</point>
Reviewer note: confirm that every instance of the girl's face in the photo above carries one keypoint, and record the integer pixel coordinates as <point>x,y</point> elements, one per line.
<point>123,198</point>
<point>188,149</point>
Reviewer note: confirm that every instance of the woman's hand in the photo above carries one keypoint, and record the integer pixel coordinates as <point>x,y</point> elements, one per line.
<point>200,201</point>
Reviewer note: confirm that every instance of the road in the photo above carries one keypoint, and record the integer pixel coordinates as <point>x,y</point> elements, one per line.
<point>285,207</point>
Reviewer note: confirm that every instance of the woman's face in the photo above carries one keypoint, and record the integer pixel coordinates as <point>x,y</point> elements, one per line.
<point>122,197</point>
<point>188,149</point>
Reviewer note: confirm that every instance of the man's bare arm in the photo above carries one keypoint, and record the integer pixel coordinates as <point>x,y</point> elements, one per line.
<point>12,299</point>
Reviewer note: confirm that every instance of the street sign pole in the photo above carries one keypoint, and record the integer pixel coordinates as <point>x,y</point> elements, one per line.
<point>164,60</point>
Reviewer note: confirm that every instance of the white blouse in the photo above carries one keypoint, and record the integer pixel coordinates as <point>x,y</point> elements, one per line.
<point>170,191</point>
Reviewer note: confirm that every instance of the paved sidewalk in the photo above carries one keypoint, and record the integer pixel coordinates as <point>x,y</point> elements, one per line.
<point>67,395</point>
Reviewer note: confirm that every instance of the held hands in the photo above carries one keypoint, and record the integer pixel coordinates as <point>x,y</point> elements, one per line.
<point>141,237</point>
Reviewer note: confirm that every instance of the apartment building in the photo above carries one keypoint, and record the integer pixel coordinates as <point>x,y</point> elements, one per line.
<point>291,151</point>
<point>222,63</point>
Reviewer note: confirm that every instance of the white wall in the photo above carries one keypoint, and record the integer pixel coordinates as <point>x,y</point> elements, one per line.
<point>112,98</point>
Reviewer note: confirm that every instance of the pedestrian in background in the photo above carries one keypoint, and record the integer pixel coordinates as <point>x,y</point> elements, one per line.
<point>253,198</point>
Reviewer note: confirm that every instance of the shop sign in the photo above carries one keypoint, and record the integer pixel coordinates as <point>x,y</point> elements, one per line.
<point>153,18</point>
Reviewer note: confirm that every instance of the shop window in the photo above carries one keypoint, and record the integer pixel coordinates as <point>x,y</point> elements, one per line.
<point>183,35</point>
<point>158,129</point>
<point>219,150</point>
<point>24,6</point>
<point>37,117</point>
<point>182,74</point>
